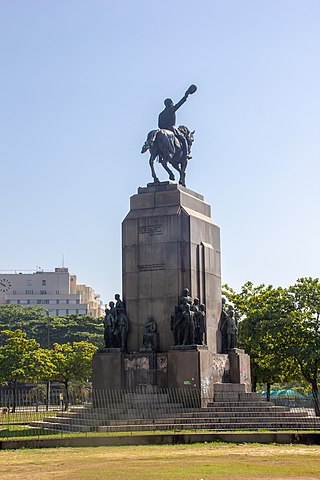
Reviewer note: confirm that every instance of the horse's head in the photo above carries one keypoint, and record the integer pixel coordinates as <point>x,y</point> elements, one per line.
<point>189,136</point>
<point>149,142</point>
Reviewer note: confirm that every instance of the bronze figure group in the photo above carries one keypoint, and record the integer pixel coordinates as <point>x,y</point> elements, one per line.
<point>116,325</point>
<point>188,322</point>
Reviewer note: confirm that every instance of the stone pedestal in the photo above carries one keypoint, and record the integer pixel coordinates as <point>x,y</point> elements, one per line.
<point>196,369</point>
<point>240,371</point>
<point>107,371</point>
<point>169,242</point>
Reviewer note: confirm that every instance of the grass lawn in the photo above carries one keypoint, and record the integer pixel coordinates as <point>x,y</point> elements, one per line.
<point>174,462</point>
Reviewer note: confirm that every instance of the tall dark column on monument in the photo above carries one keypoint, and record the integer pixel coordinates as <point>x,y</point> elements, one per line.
<point>169,242</point>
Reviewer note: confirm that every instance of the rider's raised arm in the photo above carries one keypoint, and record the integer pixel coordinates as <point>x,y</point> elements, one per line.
<point>181,102</point>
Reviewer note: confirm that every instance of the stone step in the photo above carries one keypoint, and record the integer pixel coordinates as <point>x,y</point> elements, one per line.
<point>191,420</point>
<point>240,402</point>
<point>280,425</point>
<point>63,427</point>
<point>75,421</point>
<point>243,404</point>
<point>248,419</point>
<point>201,419</point>
<point>178,407</point>
<point>241,397</point>
<point>192,413</point>
<point>242,425</point>
<point>230,410</point>
<point>145,397</point>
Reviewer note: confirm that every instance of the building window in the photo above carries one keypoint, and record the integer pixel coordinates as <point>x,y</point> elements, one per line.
<point>67,302</point>
<point>14,292</point>
<point>78,301</point>
<point>44,283</point>
<point>57,292</point>
<point>7,301</point>
<point>43,292</point>
<point>29,292</point>
<point>39,302</point>
<point>29,283</point>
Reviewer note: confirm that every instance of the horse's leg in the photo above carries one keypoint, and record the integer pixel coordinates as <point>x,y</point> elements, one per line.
<point>166,149</point>
<point>183,168</point>
<point>153,173</point>
<point>175,165</point>
<point>180,165</point>
<point>164,163</point>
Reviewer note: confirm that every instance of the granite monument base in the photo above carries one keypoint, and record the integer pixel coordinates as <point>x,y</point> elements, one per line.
<point>107,371</point>
<point>193,368</point>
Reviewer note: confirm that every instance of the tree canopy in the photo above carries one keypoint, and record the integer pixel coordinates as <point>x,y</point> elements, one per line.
<point>72,361</point>
<point>37,323</point>
<point>23,360</point>
<point>280,330</point>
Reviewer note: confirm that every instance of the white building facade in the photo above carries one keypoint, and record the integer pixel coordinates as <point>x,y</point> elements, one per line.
<point>57,291</point>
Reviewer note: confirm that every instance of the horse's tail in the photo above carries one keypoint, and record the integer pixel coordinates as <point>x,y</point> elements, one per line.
<point>150,141</point>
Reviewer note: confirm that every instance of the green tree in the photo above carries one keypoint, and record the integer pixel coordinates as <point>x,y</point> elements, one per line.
<point>261,309</point>
<point>280,329</point>
<point>38,323</point>
<point>76,328</point>
<point>30,319</point>
<point>302,332</point>
<point>73,361</point>
<point>22,360</point>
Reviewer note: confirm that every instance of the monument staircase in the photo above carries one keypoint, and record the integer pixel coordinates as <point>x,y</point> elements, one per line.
<point>172,410</point>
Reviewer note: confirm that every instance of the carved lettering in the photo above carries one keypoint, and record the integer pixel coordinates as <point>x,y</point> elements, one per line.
<point>152,267</point>
<point>155,229</point>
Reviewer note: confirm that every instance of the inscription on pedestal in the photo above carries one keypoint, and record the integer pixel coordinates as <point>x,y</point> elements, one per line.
<point>156,229</point>
<point>152,267</point>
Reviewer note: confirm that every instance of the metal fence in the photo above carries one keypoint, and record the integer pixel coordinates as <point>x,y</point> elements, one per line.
<point>27,413</point>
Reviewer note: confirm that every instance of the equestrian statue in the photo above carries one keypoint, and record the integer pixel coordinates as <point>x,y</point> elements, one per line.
<point>169,144</point>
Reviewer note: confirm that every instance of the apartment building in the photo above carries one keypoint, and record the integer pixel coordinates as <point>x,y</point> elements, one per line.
<point>57,291</point>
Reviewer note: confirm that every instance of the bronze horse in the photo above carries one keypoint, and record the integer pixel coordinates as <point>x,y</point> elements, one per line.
<point>165,146</point>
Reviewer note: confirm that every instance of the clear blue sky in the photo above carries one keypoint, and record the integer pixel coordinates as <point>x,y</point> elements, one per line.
<point>81,84</point>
